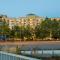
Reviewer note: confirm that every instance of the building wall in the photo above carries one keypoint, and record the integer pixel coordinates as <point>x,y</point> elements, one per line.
<point>24,21</point>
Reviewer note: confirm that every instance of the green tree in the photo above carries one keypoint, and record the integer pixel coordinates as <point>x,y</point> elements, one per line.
<point>12,34</point>
<point>22,33</point>
<point>4,28</point>
<point>27,32</point>
<point>17,31</point>
<point>40,32</point>
<point>55,29</point>
<point>48,26</point>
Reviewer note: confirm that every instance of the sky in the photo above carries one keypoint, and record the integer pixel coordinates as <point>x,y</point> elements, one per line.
<point>16,8</point>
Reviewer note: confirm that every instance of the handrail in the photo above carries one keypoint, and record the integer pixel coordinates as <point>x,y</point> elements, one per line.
<point>18,56</point>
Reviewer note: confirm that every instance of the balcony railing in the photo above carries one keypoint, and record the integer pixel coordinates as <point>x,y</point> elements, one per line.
<point>10,56</point>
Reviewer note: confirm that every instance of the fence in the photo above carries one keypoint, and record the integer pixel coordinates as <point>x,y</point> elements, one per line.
<point>9,56</point>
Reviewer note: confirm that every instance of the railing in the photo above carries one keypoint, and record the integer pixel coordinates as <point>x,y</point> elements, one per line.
<point>42,53</point>
<point>10,56</point>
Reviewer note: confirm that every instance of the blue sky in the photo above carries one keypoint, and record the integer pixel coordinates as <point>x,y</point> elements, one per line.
<point>16,8</point>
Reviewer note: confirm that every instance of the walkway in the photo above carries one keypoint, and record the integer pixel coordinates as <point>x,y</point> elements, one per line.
<point>30,43</point>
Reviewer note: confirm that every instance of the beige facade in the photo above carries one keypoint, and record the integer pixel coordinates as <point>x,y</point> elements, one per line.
<point>25,21</point>
<point>12,23</point>
<point>55,18</point>
<point>31,20</point>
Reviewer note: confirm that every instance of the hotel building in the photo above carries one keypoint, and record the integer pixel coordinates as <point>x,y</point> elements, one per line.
<point>30,20</point>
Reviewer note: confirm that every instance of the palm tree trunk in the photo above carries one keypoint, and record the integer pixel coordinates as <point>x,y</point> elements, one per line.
<point>50,35</point>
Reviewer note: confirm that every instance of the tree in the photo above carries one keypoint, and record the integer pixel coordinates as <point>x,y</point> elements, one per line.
<point>55,29</point>
<point>40,32</point>
<point>48,26</point>
<point>27,32</point>
<point>56,34</point>
<point>22,33</point>
<point>17,31</point>
<point>12,34</point>
<point>4,28</point>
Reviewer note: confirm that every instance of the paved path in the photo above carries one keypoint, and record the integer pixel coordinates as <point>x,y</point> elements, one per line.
<point>30,43</point>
